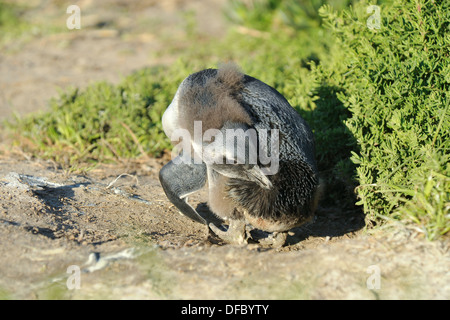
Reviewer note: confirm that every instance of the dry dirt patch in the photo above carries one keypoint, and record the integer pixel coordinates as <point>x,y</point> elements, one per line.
<point>130,242</point>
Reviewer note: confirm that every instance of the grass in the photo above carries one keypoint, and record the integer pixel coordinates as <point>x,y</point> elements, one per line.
<point>102,123</point>
<point>377,101</point>
<point>429,206</point>
<point>5,294</point>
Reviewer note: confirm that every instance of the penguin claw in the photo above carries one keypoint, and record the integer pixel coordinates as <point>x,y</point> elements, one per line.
<point>239,233</point>
<point>274,240</point>
<point>235,233</point>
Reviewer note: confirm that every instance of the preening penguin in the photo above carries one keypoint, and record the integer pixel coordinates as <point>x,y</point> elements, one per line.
<point>253,149</point>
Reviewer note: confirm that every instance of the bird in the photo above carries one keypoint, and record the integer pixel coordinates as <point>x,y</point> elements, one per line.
<point>264,177</point>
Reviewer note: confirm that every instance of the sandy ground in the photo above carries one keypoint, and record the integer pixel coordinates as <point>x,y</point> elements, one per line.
<point>116,227</point>
<point>128,241</point>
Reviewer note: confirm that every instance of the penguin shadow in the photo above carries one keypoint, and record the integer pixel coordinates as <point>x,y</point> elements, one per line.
<point>57,201</point>
<point>329,222</point>
<point>204,211</point>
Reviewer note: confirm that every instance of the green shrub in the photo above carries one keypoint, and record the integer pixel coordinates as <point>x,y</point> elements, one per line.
<point>394,81</point>
<point>103,122</point>
<point>255,14</point>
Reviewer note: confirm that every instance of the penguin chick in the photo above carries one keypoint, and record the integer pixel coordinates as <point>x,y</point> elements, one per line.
<point>244,187</point>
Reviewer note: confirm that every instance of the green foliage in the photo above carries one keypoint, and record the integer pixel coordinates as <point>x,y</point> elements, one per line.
<point>394,82</point>
<point>266,14</point>
<point>305,13</point>
<point>7,15</point>
<point>254,14</point>
<point>4,294</point>
<point>429,205</point>
<point>103,122</point>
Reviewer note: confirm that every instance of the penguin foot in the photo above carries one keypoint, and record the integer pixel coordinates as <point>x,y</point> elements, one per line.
<point>274,240</point>
<point>235,234</point>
